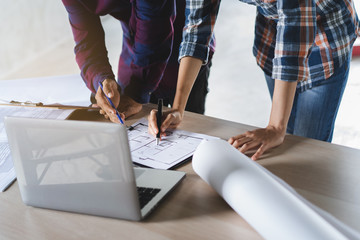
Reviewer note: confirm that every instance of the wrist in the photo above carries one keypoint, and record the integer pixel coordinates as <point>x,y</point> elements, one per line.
<point>107,80</point>
<point>178,110</point>
<point>179,105</point>
<point>278,127</point>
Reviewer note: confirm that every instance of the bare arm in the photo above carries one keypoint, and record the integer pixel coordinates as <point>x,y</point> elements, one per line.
<point>188,71</point>
<point>283,99</point>
<point>273,135</point>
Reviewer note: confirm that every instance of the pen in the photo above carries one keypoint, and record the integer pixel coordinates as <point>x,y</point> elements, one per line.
<point>158,120</point>
<point>111,103</point>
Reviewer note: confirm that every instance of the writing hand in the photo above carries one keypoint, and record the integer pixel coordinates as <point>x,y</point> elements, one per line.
<point>171,119</point>
<point>111,90</point>
<point>261,139</point>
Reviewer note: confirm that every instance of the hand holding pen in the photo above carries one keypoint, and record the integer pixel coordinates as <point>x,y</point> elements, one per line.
<point>106,97</point>
<point>171,119</point>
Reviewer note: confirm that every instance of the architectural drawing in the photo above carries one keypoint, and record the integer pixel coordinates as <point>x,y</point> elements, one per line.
<point>176,147</point>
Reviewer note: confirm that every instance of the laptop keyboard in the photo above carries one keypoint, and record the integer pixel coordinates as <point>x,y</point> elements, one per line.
<point>146,194</point>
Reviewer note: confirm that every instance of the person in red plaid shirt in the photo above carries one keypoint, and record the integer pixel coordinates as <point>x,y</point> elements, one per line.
<point>148,64</point>
<point>304,48</point>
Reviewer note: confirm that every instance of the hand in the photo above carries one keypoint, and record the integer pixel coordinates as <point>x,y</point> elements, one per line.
<point>128,106</point>
<point>171,119</point>
<point>111,90</point>
<point>262,139</point>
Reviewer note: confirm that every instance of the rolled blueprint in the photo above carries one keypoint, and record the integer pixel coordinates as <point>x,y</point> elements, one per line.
<point>266,202</point>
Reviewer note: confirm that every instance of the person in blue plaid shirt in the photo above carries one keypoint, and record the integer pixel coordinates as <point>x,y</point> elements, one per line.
<point>304,48</point>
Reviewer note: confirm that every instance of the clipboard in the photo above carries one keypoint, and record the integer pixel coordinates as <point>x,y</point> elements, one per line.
<point>79,113</point>
<point>40,104</point>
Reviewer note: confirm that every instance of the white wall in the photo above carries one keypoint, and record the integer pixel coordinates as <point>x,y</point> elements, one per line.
<point>29,29</point>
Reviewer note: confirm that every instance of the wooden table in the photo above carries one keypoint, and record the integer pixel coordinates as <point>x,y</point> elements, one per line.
<point>325,174</point>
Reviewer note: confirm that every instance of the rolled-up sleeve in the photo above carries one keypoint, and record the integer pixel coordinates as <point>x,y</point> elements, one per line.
<point>296,31</point>
<point>200,17</point>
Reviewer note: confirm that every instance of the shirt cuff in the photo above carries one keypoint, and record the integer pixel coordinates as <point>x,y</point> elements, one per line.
<point>290,70</point>
<point>99,78</point>
<point>194,50</point>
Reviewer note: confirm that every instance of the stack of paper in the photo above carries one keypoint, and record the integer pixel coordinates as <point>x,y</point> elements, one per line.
<point>266,202</point>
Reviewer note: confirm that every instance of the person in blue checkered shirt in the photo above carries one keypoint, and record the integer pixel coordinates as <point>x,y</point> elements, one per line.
<point>304,48</point>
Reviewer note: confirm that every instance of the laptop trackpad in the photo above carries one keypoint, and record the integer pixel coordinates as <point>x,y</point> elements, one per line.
<point>138,172</point>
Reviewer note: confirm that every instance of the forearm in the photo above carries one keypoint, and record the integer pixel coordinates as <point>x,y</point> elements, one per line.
<point>90,50</point>
<point>282,103</point>
<point>188,71</point>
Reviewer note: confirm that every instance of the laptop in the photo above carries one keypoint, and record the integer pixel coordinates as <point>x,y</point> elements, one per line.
<point>83,167</point>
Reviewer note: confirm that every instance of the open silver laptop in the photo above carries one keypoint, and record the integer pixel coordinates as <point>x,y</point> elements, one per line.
<point>83,167</point>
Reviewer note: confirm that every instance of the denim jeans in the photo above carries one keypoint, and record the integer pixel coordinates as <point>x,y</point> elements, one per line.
<point>314,110</point>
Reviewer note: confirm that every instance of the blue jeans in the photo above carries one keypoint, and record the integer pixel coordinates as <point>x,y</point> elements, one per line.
<point>314,110</point>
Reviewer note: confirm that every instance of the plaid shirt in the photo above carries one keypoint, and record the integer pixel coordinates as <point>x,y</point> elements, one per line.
<point>151,39</point>
<point>295,40</point>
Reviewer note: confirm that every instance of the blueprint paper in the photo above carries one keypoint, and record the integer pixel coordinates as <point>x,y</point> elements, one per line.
<point>7,172</point>
<point>272,207</point>
<point>173,149</point>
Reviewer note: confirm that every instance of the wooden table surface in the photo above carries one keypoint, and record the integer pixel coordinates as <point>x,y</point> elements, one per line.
<point>325,174</point>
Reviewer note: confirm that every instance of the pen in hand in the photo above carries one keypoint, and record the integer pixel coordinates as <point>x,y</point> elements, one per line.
<point>158,120</point>
<point>111,103</point>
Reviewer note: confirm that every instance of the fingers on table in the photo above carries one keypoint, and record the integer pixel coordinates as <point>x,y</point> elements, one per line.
<point>260,151</point>
<point>247,141</point>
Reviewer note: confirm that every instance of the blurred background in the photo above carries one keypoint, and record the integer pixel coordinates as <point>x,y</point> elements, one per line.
<point>36,41</point>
